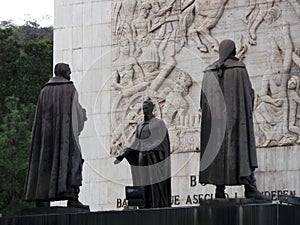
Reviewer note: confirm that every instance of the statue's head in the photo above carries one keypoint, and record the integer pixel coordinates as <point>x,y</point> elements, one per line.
<point>226,49</point>
<point>184,80</point>
<point>125,46</point>
<point>147,108</point>
<point>272,15</point>
<point>62,70</point>
<point>145,9</point>
<point>293,83</point>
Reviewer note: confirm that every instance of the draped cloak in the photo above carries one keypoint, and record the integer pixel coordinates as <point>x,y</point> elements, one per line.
<point>149,157</point>
<point>228,151</point>
<point>55,166</point>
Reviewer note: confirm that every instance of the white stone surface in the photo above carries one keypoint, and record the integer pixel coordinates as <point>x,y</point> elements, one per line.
<point>77,37</point>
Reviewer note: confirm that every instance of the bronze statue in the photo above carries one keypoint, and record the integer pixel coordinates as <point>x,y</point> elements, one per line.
<point>228,151</point>
<point>149,157</point>
<point>55,165</point>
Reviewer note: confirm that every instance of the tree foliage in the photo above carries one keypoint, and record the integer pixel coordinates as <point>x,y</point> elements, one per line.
<point>25,64</point>
<point>26,59</point>
<point>14,145</point>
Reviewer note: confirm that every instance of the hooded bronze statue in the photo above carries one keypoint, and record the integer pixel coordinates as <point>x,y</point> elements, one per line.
<point>228,151</point>
<point>55,165</point>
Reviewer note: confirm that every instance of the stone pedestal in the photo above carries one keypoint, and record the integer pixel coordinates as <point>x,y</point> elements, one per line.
<point>53,210</point>
<point>246,214</point>
<point>232,202</point>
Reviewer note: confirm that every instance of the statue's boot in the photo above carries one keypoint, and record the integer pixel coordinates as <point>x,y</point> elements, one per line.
<point>42,203</point>
<point>252,192</point>
<point>74,202</point>
<point>220,191</point>
<point>77,204</point>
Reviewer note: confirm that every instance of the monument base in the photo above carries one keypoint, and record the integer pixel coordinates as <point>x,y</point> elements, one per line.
<point>52,210</point>
<point>233,201</point>
<point>245,214</point>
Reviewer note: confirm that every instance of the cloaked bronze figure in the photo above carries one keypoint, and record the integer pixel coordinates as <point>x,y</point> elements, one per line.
<point>55,166</point>
<point>228,151</point>
<point>149,157</point>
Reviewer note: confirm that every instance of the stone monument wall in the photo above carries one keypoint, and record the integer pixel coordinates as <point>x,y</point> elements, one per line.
<point>122,52</point>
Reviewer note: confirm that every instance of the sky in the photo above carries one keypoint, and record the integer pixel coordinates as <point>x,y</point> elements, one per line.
<point>23,10</point>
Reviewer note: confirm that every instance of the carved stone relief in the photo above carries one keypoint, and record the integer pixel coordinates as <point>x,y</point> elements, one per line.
<point>294,101</point>
<point>296,5</point>
<point>254,16</point>
<point>275,112</point>
<point>172,104</point>
<point>207,14</point>
<point>148,37</point>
